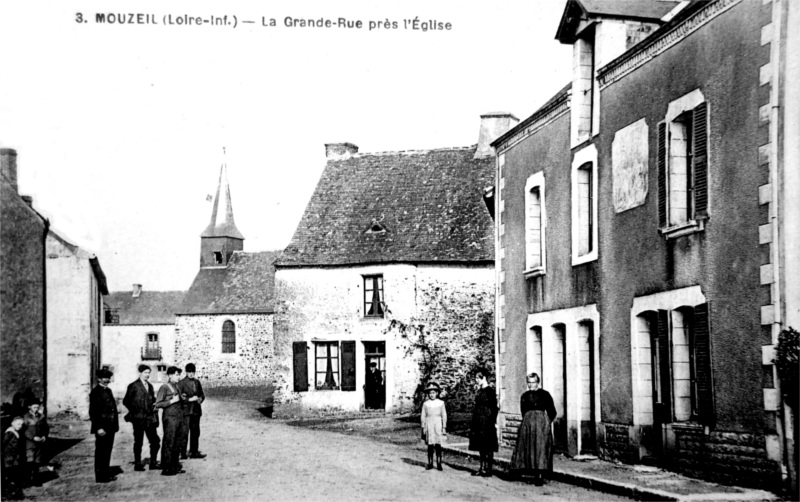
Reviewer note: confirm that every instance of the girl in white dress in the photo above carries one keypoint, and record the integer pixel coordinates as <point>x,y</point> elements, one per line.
<point>434,425</point>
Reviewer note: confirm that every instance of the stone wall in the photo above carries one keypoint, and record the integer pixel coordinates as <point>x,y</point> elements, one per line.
<point>22,283</point>
<point>198,339</point>
<point>452,304</point>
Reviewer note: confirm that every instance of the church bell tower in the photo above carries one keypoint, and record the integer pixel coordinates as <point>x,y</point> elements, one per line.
<point>221,237</point>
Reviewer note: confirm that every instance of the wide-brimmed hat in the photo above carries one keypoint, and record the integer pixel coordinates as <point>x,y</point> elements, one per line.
<point>433,386</point>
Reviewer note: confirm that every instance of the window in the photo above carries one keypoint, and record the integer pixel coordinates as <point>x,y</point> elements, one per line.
<point>680,364</point>
<point>326,365</point>
<point>161,372</point>
<point>373,296</point>
<point>535,223</point>
<point>584,205</point>
<point>585,92</point>
<point>585,182</point>
<point>151,350</point>
<point>683,167</point>
<point>228,338</point>
<point>217,257</point>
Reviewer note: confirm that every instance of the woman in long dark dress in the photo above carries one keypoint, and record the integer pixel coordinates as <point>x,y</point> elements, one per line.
<point>534,451</point>
<point>482,430</point>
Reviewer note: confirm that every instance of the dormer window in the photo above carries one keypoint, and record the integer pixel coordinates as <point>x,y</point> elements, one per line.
<point>376,227</point>
<point>217,257</point>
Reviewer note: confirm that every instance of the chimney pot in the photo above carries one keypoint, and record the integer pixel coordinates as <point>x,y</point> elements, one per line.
<point>340,151</point>
<point>8,166</point>
<point>493,125</point>
<point>137,290</point>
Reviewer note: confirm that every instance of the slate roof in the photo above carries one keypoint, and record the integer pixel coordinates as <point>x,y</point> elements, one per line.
<point>425,206</point>
<point>246,285</point>
<point>150,307</point>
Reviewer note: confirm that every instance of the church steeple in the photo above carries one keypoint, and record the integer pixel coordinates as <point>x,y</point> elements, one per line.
<point>221,237</point>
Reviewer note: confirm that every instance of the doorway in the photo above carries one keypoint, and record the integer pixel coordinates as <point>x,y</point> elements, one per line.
<point>588,419</point>
<point>558,387</point>
<point>375,375</point>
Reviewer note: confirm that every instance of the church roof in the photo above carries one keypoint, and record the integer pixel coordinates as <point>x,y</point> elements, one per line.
<point>405,206</point>
<point>246,285</point>
<point>222,224</point>
<point>149,307</point>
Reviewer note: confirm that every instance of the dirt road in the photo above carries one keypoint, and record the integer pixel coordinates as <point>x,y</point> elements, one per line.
<point>252,457</point>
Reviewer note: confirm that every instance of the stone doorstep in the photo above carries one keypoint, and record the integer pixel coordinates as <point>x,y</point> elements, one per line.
<point>635,491</point>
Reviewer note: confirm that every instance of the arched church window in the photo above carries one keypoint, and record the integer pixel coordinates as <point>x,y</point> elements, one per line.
<point>228,338</point>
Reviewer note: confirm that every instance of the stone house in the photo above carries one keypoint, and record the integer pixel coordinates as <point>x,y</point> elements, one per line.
<point>645,229</point>
<point>138,328</point>
<point>23,329</point>
<point>392,263</point>
<point>75,288</point>
<point>225,322</point>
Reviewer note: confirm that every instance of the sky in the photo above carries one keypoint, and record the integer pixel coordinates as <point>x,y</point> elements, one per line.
<point>120,128</point>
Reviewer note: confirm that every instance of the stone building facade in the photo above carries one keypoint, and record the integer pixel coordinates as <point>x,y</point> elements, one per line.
<point>392,264</point>
<point>636,221</point>
<point>138,328</point>
<point>224,325</point>
<point>75,288</point>
<point>22,288</point>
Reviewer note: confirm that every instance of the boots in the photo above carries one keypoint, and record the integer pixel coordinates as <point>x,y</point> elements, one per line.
<point>439,457</point>
<point>479,472</point>
<point>430,458</point>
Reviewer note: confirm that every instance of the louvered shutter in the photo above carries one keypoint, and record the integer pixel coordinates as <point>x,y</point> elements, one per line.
<point>300,359</point>
<point>700,133</point>
<point>662,175</point>
<point>702,364</point>
<point>349,365</point>
<point>664,365</point>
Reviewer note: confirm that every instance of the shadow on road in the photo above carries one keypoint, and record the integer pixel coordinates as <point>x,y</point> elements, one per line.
<point>59,445</point>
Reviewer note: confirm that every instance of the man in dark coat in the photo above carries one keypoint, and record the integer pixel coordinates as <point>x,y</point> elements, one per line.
<point>140,399</point>
<point>482,430</point>
<point>193,396</point>
<point>373,385</point>
<point>105,424</point>
<point>169,399</point>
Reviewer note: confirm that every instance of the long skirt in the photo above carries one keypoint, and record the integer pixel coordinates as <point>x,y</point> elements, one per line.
<point>534,450</point>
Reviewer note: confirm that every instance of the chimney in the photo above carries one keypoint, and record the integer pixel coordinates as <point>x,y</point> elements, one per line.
<point>340,151</point>
<point>27,199</point>
<point>8,166</point>
<point>137,290</point>
<point>493,125</point>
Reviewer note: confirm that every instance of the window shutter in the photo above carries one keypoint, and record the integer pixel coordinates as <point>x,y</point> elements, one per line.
<point>300,353</point>
<point>700,132</point>
<point>348,365</point>
<point>662,175</point>
<point>665,365</point>
<point>702,360</point>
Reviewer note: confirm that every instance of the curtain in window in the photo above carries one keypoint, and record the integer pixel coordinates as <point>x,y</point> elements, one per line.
<point>330,382</point>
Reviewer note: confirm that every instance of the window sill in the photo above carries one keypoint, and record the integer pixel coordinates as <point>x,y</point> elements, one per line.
<point>534,272</point>
<point>580,260</point>
<point>682,229</point>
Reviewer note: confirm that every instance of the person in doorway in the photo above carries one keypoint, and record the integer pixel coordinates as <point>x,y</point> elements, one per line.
<point>35,430</point>
<point>534,450</point>
<point>373,385</point>
<point>105,424</point>
<point>482,430</point>
<point>434,424</point>
<point>13,460</point>
<point>169,399</point>
<point>193,396</point>
<point>140,401</point>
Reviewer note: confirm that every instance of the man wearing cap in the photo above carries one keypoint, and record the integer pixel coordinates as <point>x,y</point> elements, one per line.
<point>140,399</point>
<point>105,424</point>
<point>373,383</point>
<point>192,392</point>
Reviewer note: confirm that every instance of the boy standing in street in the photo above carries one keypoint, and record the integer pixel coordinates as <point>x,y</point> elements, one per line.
<point>139,400</point>
<point>192,392</point>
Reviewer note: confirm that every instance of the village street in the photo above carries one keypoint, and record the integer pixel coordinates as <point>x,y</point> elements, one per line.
<point>252,457</point>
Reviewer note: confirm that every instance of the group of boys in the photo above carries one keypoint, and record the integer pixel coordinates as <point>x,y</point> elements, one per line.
<point>180,401</point>
<point>23,443</point>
